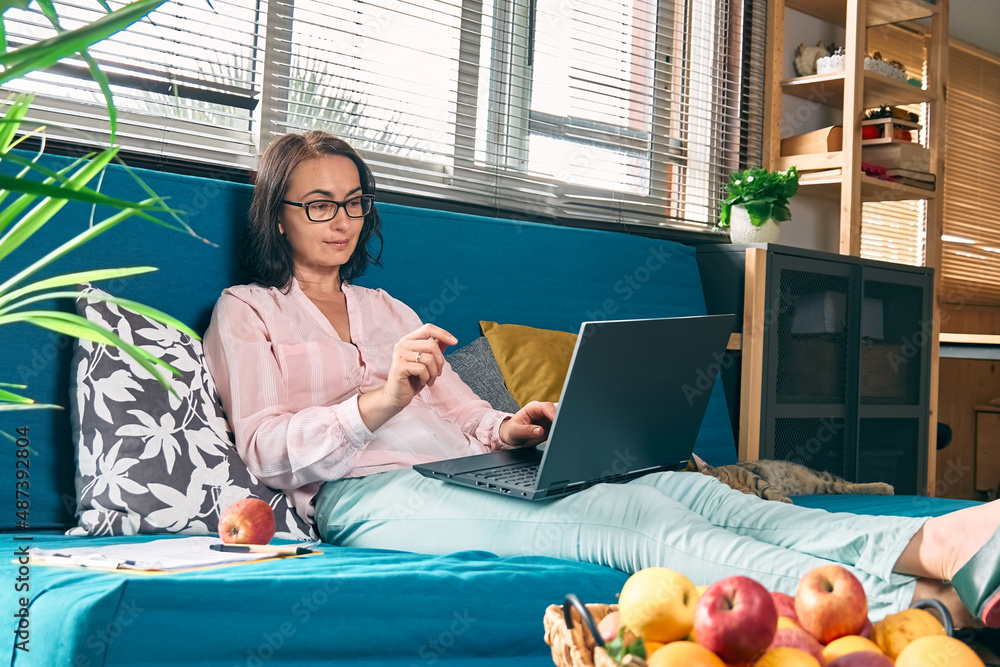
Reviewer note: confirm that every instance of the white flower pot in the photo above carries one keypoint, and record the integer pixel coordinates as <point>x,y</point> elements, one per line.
<point>741,230</point>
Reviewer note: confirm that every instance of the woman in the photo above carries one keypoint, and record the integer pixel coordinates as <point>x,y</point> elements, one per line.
<point>334,391</point>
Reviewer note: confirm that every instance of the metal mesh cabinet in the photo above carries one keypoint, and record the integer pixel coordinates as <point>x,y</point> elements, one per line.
<point>834,359</point>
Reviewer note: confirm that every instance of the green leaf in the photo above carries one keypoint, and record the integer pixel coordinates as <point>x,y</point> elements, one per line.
<point>80,327</point>
<point>135,306</point>
<point>759,212</point>
<point>183,226</point>
<point>31,164</point>
<point>105,85</point>
<point>763,193</point>
<point>617,650</point>
<point>66,247</point>
<point>86,195</point>
<point>66,279</point>
<point>9,214</point>
<point>13,118</point>
<point>8,4</point>
<point>6,407</point>
<point>48,207</point>
<point>49,10</point>
<point>11,397</point>
<point>43,54</point>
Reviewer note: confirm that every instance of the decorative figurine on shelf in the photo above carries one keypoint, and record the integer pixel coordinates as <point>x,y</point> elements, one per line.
<point>757,202</point>
<point>806,57</point>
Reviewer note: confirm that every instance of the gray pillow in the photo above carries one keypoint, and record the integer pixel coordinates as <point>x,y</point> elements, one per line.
<point>150,462</point>
<point>478,368</point>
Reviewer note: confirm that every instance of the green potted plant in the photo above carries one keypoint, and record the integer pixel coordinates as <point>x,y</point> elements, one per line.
<point>33,196</point>
<point>757,202</point>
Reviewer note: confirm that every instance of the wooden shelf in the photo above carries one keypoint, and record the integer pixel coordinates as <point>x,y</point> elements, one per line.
<point>827,186</point>
<point>880,12</point>
<point>879,89</point>
<point>811,161</point>
<point>970,339</point>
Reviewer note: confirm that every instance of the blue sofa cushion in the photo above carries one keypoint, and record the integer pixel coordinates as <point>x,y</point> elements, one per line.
<point>478,368</point>
<point>149,461</point>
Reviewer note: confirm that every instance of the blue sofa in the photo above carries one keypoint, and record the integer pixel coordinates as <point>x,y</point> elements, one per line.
<point>347,606</point>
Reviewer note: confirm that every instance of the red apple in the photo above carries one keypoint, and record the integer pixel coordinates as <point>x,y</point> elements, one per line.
<point>736,619</point>
<point>800,639</point>
<point>830,603</point>
<point>247,521</point>
<point>870,132</point>
<point>785,604</point>
<point>861,659</point>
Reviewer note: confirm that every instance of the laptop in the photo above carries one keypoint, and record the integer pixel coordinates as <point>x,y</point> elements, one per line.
<point>632,403</point>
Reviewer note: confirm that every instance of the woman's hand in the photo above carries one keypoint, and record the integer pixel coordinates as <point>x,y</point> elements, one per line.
<point>530,426</point>
<point>417,360</point>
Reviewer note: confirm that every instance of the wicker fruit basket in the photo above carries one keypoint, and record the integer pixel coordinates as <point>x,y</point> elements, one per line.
<point>571,631</point>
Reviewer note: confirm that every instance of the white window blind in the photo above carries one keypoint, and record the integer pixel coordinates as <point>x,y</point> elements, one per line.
<point>185,80</point>
<point>970,260</point>
<point>614,110</point>
<point>618,111</point>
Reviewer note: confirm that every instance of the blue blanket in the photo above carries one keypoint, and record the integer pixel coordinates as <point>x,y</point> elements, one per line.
<point>345,606</point>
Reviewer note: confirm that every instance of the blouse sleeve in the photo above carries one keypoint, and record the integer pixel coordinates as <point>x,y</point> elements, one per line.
<point>284,449</point>
<point>456,402</point>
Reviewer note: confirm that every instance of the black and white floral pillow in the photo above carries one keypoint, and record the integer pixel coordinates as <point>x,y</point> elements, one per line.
<point>149,461</point>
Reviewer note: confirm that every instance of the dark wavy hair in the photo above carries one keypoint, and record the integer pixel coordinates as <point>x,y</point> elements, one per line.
<point>266,255</point>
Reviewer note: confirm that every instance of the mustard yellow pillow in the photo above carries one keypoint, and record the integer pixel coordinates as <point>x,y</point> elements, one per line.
<point>533,361</point>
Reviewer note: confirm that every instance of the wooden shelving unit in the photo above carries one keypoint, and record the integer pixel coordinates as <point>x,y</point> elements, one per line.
<point>837,175</point>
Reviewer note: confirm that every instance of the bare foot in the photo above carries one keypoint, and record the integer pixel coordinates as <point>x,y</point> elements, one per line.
<point>945,543</point>
<point>932,588</point>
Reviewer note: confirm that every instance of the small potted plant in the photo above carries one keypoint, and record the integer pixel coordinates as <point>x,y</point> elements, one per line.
<point>757,202</point>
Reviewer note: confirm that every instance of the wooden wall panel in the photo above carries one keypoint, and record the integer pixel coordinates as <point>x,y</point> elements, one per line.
<point>970,319</point>
<point>964,383</point>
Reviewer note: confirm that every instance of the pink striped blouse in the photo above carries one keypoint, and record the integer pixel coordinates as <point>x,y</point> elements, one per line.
<point>290,386</point>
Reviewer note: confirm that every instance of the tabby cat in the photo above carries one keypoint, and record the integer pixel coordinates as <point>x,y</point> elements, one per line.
<point>776,480</point>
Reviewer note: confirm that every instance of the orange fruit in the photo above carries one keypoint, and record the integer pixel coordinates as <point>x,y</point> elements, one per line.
<point>684,653</point>
<point>895,631</point>
<point>939,651</point>
<point>651,646</point>
<point>785,656</point>
<point>848,644</point>
<point>658,604</point>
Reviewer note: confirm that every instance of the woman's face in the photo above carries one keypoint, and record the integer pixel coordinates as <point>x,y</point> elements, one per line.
<point>321,248</point>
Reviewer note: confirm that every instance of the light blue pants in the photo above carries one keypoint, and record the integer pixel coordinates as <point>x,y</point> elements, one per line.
<point>684,521</point>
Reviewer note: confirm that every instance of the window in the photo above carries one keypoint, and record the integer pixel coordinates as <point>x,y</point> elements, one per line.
<point>971,242</point>
<point>184,80</point>
<point>618,111</point>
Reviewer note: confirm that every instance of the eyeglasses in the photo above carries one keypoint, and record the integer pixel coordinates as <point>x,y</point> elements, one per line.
<point>323,210</point>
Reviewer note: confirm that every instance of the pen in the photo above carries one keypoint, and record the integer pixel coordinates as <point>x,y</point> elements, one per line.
<point>276,549</point>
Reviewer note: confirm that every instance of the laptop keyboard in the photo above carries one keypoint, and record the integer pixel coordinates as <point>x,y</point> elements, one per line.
<point>517,474</point>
